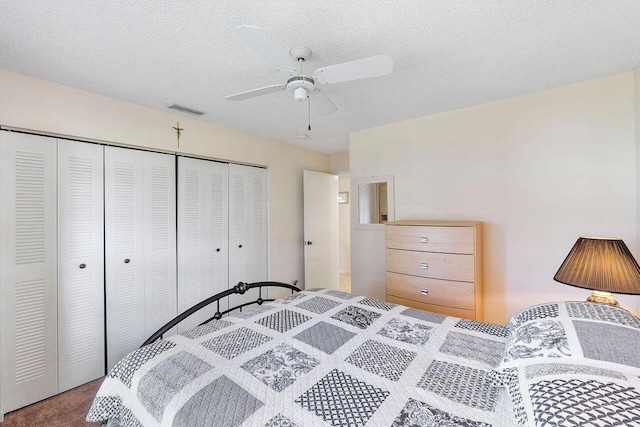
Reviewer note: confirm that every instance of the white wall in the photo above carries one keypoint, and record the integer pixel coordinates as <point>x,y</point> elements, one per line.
<point>539,170</point>
<point>637,125</point>
<point>48,107</point>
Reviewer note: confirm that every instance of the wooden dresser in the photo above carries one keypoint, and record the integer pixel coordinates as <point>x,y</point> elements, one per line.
<point>435,266</point>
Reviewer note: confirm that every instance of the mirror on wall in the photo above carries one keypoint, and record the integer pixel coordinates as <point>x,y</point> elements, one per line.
<point>374,206</point>
<point>372,203</point>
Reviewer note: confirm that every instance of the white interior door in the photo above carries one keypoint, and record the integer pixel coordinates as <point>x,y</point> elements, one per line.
<point>28,269</point>
<point>247,229</point>
<point>124,251</point>
<point>321,244</point>
<point>80,263</point>
<point>203,248</point>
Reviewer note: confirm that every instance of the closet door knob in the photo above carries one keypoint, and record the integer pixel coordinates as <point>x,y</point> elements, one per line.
<point>240,246</point>
<point>127,260</point>
<point>217,249</point>
<point>83,265</point>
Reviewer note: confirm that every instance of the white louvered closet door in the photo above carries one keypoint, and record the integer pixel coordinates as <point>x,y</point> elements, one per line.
<point>28,269</point>
<point>202,236</point>
<point>247,229</point>
<point>80,263</point>
<point>159,240</point>
<point>124,251</point>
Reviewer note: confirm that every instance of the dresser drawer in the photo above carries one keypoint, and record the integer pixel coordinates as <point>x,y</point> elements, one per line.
<point>447,311</point>
<point>432,291</point>
<point>454,240</point>
<point>458,267</point>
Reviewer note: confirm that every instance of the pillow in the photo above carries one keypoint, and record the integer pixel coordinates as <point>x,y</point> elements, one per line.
<point>572,363</point>
<point>583,333</point>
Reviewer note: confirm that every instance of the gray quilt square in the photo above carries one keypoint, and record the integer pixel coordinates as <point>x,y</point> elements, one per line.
<point>416,413</point>
<point>165,380</point>
<point>356,316</point>
<point>340,294</point>
<point>325,337</point>
<point>236,342</point>
<point>472,347</point>
<point>289,299</point>
<point>401,330</point>
<point>213,326</point>
<point>248,312</point>
<point>609,343</point>
<point>382,305</point>
<point>125,368</point>
<point>584,402</point>
<point>318,305</point>
<point>283,320</point>
<point>280,367</point>
<point>424,315</point>
<point>343,400</point>
<point>381,359</point>
<point>548,369</point>
<point>462,384</point>
<point>220,403</point>
<point>280,421</point>
<point>485,328</point>
<point>604,312</point>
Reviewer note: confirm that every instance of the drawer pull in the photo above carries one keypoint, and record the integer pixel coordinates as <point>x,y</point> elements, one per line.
<point>424,265</point>
<point>424,240</point>
<point>424,291</point>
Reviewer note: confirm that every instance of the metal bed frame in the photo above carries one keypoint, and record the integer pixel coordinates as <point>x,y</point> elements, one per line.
<point>240,288</point>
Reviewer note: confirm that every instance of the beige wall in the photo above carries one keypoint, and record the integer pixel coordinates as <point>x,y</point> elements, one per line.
<point>539,170</point>
<point>48,107</point>
<point>340,162</point>
<point>344,233</point>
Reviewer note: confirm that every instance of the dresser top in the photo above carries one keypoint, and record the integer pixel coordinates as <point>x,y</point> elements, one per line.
<point>438,223</point>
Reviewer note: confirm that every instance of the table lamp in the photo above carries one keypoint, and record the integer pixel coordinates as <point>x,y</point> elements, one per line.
<point>602,265</point>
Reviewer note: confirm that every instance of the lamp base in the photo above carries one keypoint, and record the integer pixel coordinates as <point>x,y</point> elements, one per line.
<point>603,298</point>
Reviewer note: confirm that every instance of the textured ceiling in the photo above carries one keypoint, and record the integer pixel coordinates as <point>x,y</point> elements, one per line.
<point>448,54</point>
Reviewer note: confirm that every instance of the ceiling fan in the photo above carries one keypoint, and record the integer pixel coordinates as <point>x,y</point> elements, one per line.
<point>305,86</point>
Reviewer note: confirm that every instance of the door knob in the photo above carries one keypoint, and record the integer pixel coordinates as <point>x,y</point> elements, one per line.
<point>308,243</point>
<point>127,260</point>
<point>217,249</point>
<point>82,265</point>
<point>240,246</point>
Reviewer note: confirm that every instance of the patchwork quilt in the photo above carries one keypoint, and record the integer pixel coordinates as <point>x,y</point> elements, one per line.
<point>315,358</point>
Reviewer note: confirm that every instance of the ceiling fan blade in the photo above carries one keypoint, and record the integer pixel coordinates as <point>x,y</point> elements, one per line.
<point>255,92</point>
<point>373,66</point>
<point>322,104</point>
<point>261,42</point>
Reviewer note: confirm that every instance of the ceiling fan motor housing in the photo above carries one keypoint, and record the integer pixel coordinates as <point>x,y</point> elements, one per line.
<point>301,87</point>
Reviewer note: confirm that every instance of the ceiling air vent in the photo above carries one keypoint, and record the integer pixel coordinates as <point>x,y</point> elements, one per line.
<point>186,110</point>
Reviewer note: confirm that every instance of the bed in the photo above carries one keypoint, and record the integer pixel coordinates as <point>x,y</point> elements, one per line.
<point>327,358</point>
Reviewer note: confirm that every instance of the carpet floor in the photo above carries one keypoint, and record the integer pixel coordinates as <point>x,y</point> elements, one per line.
<point>68,409</point>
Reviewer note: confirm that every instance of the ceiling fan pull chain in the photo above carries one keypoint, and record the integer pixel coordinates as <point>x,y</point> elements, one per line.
<point>309,111</point>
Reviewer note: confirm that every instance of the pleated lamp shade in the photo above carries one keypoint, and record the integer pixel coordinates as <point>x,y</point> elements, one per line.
<point>602,265</point>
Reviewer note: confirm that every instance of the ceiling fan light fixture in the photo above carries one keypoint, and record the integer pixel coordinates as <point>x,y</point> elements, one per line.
<point>300,94</point>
